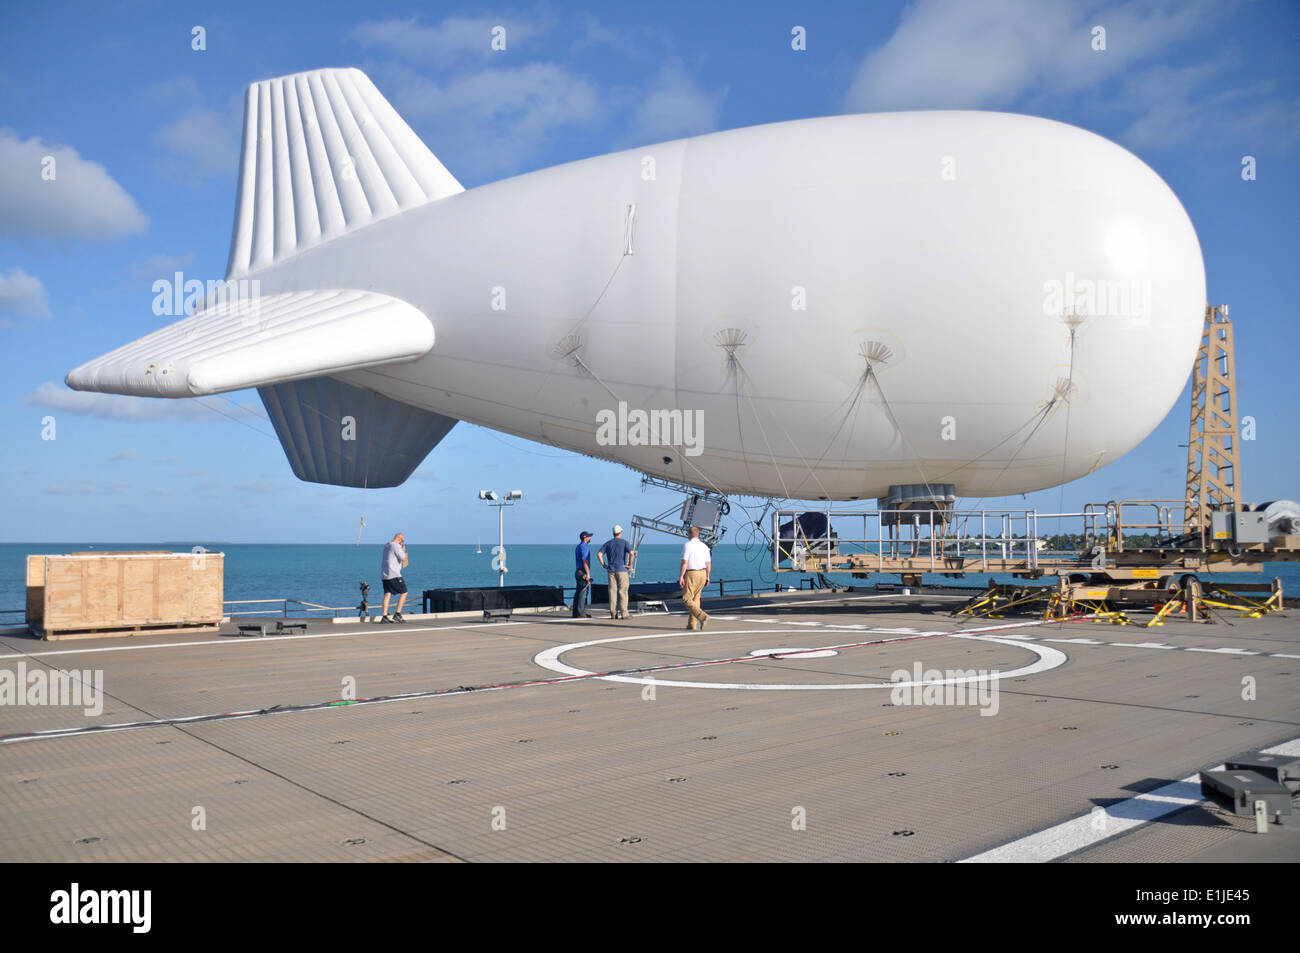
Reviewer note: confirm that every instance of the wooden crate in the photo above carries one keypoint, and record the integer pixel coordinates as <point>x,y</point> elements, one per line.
<point>84,595</point>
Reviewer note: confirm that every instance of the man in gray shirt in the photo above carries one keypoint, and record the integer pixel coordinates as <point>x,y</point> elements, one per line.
<point>390,571</point>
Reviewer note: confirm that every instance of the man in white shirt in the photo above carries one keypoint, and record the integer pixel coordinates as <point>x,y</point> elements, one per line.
<point>390,571</point>
<point>697,565</point>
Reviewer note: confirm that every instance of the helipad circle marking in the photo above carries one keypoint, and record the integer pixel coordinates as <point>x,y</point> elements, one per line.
<point>1048,659</point>
<point>793,653</point>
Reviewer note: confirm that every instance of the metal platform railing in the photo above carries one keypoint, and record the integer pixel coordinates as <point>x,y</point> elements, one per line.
<point>284,603</point>
<point>1138,539</point>
<point>1106,523</point>
<point>925,539</point>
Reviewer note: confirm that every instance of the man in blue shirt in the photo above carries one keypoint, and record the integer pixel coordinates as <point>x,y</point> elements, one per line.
<point>582,576</point>
<point>617,557</point>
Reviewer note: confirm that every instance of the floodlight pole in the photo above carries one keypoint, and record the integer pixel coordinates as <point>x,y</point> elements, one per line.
<point>501,542</point>
<point>506,499</point>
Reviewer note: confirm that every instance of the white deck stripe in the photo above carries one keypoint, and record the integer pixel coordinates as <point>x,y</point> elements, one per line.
<point>1081,832</point>
<point>398,629</point>
<point>232,640</point>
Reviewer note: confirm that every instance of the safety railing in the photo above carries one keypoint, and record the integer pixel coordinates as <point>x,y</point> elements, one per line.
<point>737,587</point>
<point>307,607</point>
<point>1106,523</point>
<point>281,606</point>
<point>723,583</point>
<point>925,539</point>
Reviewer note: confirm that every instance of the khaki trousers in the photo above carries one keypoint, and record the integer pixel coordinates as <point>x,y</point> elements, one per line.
<point>618,584</point>
<point>691,596</point>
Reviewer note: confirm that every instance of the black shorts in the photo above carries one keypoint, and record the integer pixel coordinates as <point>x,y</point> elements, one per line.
<point>396,586</point>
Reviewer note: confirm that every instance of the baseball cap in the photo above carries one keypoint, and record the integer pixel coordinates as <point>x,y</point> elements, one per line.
<point>617,529</point>
<point>585,532</point>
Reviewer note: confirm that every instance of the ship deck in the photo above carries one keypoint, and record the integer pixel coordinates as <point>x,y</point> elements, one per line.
<point>510,741</point>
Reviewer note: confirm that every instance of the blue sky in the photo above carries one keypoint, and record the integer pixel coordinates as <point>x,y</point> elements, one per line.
<point>145,132</point>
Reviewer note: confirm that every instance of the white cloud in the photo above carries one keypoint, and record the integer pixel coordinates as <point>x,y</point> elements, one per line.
<point>1182,106</point>
<point>950,54</point>
<point>81,201</point>
<point>487,114</point>
<point>51,396</point>
<point>202,142</point>
<point>954,55</point>
<point>591,33</point>
<point>675,105</point>
<point>257,486</point>
<point>123,455</point>
<point>22,295</point>
<point>164,266</point>
<point>494,119</point>
<point>453,39</point>
<point>1269,121</point>
<point>83,487</point>
<point>1026,54</point>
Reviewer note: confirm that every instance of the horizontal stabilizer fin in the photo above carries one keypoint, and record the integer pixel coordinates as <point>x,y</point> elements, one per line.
<point>262,341</point>
<point>343,435</point>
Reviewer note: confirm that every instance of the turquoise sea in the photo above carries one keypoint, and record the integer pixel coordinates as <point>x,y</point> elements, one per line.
<point>329,574</point>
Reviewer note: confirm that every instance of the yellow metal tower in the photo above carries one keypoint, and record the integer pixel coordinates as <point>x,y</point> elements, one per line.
<point>1212,470</point>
